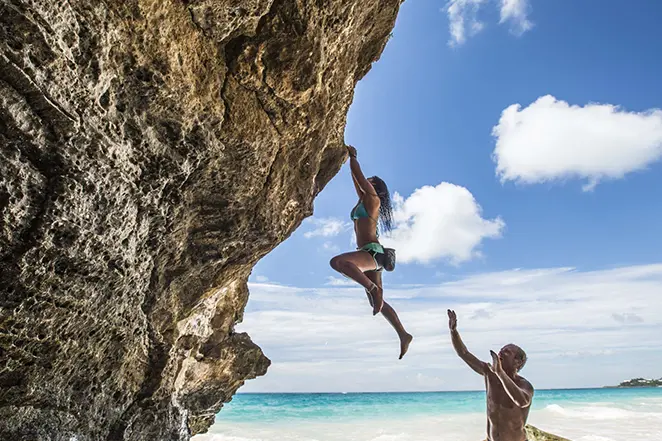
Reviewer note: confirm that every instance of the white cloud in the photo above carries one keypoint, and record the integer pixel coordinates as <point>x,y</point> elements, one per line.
<point>326,338</point>
<point>326,227</point>
<point>261,279</point>
<point>331,247</point>
<point>627,318</point>
<point>462,17</point>
<point>515,13</point>
<point>482,314</point>
<point>551,140</point>
<point>337,281</point>
<point>464,22</point>
<point>439,222</point>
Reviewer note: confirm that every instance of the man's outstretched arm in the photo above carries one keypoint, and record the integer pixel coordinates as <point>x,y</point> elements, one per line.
<point>521,393</point>
<point>470,359</point>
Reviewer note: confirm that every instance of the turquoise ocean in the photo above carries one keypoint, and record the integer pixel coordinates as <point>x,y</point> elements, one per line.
<point>577,414</point>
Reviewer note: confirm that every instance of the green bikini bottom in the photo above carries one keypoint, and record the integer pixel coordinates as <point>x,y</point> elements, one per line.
<point>376,250</point>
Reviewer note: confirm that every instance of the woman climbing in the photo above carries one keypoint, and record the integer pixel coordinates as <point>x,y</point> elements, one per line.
<point>365,265</point>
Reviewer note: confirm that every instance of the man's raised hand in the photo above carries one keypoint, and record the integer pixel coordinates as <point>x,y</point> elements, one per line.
<point>452,320</point>
<point>495,366</point>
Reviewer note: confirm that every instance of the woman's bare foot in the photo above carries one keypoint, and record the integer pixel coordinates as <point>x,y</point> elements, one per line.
<point>376,297</point>
<point>404,344</point>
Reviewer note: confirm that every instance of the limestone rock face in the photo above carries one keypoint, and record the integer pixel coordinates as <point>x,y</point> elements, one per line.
<point>535,434</point>
<point>151,151</point>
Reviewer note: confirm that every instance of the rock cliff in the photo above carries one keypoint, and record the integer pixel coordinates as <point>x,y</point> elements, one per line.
<point>535,434</point>
<point>151,151</point>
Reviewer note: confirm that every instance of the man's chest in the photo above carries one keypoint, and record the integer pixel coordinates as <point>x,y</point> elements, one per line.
<point>497,397</point>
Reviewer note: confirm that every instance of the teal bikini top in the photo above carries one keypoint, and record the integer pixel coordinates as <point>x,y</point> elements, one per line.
<point>359,212</point>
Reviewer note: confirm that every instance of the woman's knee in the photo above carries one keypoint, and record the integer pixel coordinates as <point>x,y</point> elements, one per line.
<point>337,263</point>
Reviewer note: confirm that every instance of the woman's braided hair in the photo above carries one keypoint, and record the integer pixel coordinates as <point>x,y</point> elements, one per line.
<point>385,206</point>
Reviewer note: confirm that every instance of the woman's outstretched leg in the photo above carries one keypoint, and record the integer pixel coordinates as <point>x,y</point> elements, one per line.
<point>392,317</point>
<point>353,266</point>
<point>405,338</point>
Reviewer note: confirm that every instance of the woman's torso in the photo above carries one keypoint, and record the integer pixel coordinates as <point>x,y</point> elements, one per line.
<point>365,222</point>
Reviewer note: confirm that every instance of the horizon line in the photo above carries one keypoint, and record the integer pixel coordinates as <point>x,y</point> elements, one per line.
<point>442,391</point>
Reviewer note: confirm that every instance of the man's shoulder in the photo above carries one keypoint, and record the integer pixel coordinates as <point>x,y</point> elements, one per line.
<point>524,383</point>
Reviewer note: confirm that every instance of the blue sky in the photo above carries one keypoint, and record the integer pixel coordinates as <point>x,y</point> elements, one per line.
<point>562,197</point>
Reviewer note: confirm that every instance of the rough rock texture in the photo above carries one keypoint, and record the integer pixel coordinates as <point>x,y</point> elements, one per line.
<point>151,151</point>
<point>535,434</point>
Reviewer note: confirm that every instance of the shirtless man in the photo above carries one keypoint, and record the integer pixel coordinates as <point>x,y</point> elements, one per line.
<point>508,395</point>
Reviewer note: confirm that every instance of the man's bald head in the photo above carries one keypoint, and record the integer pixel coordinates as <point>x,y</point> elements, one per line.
<point>513,357</point>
